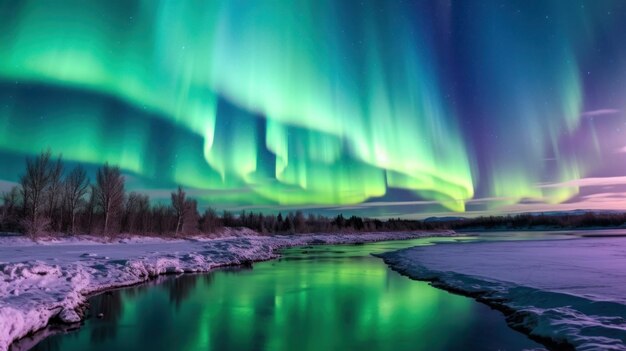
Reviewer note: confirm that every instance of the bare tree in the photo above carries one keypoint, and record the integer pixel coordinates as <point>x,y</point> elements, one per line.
<point>130,213</point>
<point>190,217</point>
<point>34,185</point>
<point>53,193</point>
<point>143,208</point>
<point>210,221</point>
<point>90,208</point>
<point>162,219</point>
<point>9,210</point>
<point>178,203</point>
<point>109,194</point>
<point>75,188</point>
<point>228,219</point>
<point>299,222</point>
<point>137,207</point>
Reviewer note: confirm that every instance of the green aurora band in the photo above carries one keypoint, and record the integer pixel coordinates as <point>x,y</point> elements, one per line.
<point>287,103</point>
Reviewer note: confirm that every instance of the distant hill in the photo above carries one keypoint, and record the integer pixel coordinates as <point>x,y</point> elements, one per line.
<point>444,219</point>
<point>578,212</point>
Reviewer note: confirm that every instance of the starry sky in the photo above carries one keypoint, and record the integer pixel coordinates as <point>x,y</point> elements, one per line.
<point>375,108</point>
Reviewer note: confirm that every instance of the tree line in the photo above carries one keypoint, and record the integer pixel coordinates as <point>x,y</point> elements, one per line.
<point>52,199</point>
<point>565,220</point>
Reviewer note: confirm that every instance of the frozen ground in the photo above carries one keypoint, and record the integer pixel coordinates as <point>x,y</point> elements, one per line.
<point>568,293</point>
<point>44,281</point>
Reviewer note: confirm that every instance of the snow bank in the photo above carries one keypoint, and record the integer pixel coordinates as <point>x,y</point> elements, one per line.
<point>565,293</point>
<point>52,279</point>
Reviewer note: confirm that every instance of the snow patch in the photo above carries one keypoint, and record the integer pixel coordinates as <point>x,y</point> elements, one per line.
<point>565,293</point>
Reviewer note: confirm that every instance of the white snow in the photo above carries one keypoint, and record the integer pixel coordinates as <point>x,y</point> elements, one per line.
<point>52,279</point>
<point>567,291</point>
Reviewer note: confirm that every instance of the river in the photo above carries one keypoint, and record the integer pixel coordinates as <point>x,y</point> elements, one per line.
<point>330,297</point>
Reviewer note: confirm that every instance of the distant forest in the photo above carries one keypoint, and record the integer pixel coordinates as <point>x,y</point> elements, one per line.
<point>52,200</point>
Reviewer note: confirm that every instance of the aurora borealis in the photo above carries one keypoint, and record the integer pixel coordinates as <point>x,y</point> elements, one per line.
<point>385,108</point>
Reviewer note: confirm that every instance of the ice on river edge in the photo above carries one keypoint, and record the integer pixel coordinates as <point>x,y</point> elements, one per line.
<point>570,293</point>
<point>50,280</point>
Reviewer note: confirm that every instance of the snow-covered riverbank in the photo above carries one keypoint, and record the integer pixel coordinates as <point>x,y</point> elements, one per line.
<point>50,280</point>
<point>568,293</point>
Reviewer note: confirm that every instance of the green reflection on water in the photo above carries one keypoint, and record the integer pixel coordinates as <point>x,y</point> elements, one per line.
<point>314,298</point>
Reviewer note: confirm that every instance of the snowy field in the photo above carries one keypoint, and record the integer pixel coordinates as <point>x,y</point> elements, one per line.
<point>50,280</point>
<point>567,292</point>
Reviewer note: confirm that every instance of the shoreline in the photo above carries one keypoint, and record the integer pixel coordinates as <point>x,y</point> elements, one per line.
<point>513,317</point>
<point>563,304</point>
<point>56,326</point>
<point>37,290</point>
<point>538,229</point>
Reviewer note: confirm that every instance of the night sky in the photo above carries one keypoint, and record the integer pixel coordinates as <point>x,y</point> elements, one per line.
<point>376,108</point>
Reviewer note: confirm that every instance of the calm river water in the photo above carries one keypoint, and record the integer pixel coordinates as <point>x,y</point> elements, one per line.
<point>335,297</point>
